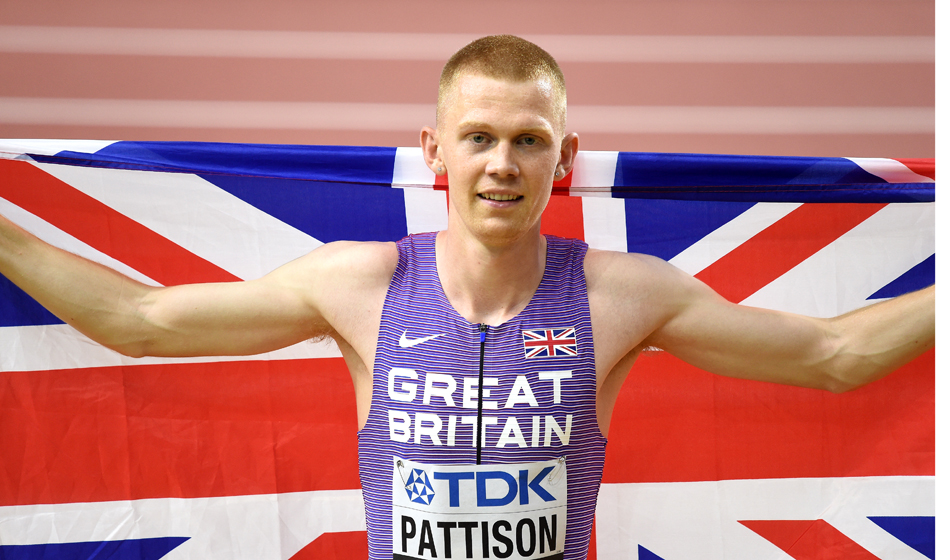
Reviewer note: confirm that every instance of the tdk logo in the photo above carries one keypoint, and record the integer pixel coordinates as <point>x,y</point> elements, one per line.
<point>505,488</point>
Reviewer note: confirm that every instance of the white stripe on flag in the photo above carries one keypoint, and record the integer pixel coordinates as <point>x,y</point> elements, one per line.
<point>890,170</point>
<point>195,214</point>
<point>700,520</point>
<point>59,238</point>
<point>410,169</point>
<point>883,247</point>
<point>426,208</point>
<point>14,149</point>
<point>52,347</point>
<point>257,527</point>
<point>726,238</point>
<point>594,173</point>
<point>605,223</point>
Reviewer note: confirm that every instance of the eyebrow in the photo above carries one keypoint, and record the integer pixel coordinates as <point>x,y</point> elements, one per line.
<point>539,130</point>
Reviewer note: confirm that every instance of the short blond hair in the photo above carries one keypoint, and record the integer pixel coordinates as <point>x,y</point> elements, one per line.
<point>504,57</point>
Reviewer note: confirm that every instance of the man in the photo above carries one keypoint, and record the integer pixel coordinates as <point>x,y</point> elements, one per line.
<point>486,359</point>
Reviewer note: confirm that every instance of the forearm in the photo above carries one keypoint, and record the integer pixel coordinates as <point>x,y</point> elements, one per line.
<point>836,354</point>
<point>96,300</point>
<point>874,341</point>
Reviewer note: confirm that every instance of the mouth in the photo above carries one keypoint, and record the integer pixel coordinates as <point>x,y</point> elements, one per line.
<point>499,197</point>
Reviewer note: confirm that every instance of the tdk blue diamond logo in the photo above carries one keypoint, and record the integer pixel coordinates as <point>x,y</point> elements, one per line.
<point>419,488</point>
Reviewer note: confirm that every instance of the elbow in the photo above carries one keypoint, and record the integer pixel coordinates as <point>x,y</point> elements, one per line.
<point>120,341</point>
<point>136,338</point>
<point>131,349</point>
<point>146,334</point>
<point>849,372</point>
<point>839,385</point>
<point>840,369</point>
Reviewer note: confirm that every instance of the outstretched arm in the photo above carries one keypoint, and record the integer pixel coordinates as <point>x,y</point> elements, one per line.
<point>240,318</point>
<point>644,301</point>
<point>837,354</point>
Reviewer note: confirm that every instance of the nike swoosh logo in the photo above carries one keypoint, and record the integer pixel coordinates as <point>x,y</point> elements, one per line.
<point>405,342</point>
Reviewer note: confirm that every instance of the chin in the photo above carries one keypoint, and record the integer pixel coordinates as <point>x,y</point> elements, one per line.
<point>499,235</point>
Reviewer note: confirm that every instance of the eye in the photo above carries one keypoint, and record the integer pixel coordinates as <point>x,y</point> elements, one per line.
<point>529,141</point>
<point>479,138</point>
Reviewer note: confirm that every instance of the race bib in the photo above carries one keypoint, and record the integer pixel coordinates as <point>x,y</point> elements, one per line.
<point>513,511</point>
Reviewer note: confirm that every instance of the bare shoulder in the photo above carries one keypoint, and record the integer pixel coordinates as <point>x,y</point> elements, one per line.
<point>630,296</point>
<point>605,268</point>
<point>344,281</point>
<point>617,278</point>
<point>363,261</point>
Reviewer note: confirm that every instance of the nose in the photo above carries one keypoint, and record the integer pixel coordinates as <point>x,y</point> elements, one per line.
<point>502,161</point>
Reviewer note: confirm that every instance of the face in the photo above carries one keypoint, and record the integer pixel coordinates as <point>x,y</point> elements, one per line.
<point>500,143</point>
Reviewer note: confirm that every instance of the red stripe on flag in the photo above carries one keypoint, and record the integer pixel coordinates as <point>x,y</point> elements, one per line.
<point>177,430</point>
<point>925,167</point>
<point>103,228</point>
<point>676,423</point>
<point>781,246</point>
<point>348,544</point>
<point>809,540</point>
<point>564,217</point>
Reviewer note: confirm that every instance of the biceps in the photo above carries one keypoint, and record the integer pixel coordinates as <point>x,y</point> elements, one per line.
<point>238,318</point>
<point>739,341</point>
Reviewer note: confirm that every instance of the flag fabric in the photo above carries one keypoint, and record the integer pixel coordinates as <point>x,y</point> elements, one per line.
<point>104,456</point>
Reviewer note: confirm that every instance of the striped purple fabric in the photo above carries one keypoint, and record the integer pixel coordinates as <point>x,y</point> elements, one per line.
<point>434,420</point>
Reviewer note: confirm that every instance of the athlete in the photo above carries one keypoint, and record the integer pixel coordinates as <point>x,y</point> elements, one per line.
<point>486,358</point>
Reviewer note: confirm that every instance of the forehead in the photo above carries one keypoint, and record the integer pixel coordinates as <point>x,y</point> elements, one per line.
<point>476,97</point>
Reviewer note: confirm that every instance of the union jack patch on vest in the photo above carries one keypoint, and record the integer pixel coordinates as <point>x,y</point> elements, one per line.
<point>547,343</point>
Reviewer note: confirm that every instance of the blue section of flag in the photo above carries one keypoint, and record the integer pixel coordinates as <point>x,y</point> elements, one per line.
<point>756,178</point>
<point>644,554</point>
<point>326,211</point>
<point>20,310</point>
<point>135,549</point>
<point>665,228</point>
<point>919,533</point>
<point>345,164</point>
<point>921,276</point>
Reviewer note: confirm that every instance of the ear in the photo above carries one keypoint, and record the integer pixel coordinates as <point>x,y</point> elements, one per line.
<point>569,147</point>
<point>429,137</point>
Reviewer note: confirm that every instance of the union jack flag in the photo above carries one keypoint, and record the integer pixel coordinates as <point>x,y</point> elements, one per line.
<point>226,458</point>
<point>549,343</point>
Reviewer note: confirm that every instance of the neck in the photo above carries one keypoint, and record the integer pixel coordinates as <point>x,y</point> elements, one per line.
<point>488,284</point>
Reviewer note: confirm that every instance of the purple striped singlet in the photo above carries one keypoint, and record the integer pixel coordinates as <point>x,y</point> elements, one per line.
<point>425,389</point>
